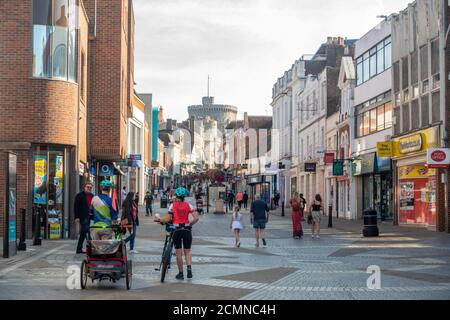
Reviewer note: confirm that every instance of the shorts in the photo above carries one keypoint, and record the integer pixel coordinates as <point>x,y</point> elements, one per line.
<point>316,216</point>
<point>182,237</point>
<point>259,224</point>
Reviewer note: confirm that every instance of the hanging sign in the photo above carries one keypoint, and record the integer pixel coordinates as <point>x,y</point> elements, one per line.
<point>438,158</point>
<point>384,149</point>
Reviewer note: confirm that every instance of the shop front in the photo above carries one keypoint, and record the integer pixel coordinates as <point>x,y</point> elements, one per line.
<point>375,179</point>
<point>50,195</point>
<point>416,183</point>
<point>263,186</point>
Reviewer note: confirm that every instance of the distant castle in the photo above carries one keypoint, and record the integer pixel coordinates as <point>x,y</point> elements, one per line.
<point>223,114</point>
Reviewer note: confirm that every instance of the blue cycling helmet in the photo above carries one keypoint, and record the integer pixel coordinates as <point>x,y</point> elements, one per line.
<point>181,192</point>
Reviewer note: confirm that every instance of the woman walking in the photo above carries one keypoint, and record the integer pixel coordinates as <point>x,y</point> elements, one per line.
<point>236,225</point>
<point>316,208</point>
<point>295,203</point>
<point>130,218</point>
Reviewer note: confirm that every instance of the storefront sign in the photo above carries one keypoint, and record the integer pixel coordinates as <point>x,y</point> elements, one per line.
<point>417,143</point>
<point>320,152</point>
<point>338,168</point>
<point>384,149</point>
<point>106,170</point>
<point>410,144</point>
<point>135,157</point>
<point>310,167</point>
<point>415,171</point>
<point>40,180</point>
<point>438,158</point>
<point>254,180</point>
<point>328,158</point>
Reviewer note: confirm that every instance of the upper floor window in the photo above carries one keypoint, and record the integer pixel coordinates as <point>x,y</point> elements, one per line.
<point>374,61</point>
<point>54,39</point>
<point>374,120</point>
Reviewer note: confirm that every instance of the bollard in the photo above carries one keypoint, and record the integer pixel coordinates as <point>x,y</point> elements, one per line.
<point>282,209</point>
<point>22,244</point>
<point>37,235</point>
<point>330,216</point>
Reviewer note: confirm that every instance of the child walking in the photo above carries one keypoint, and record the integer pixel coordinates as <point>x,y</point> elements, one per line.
<point>236,225</point>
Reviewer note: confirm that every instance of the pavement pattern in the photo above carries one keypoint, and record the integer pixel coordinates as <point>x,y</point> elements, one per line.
<point>413,264</point>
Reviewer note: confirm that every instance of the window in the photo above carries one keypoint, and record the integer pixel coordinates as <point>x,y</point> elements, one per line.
<point>405,96</point>
<point>436,81</point>
<point>373,120</point>
<point>415,92</point>
<point>425,86</point>
<point>374,61</point>
<point>380,118</point>
<point>54,39</point>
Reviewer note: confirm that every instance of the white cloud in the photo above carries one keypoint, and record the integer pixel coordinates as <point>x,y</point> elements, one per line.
<point>244,44</point>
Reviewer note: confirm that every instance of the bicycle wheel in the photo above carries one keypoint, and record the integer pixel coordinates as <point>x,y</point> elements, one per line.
<point>83,274</point>
<point>166,260</point>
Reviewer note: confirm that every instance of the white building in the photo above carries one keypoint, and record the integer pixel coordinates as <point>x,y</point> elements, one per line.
<point>373,121</point>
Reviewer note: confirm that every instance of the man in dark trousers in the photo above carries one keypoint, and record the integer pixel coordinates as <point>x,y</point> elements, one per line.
<point>82,206</point>
<point>148,203</point>
<point>230,200</point>
<point>245,199</point>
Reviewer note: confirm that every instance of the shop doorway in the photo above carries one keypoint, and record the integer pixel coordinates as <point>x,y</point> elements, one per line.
<point>384,196</point>
<point>50,192</point>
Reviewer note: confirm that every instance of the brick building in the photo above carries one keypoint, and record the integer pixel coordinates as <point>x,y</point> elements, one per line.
<point>67,84</point>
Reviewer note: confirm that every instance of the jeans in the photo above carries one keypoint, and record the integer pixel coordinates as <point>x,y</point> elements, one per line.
<point>132,237</point>
<point>149,209</point>
<point>84,234</point>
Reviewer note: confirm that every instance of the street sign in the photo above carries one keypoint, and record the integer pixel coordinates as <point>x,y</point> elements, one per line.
<point>310,167</point>
<point>135,157</point>
<point>438,158</point>
<point>338,168</point>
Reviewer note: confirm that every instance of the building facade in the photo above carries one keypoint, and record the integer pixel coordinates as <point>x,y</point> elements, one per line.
<point>373,122</point>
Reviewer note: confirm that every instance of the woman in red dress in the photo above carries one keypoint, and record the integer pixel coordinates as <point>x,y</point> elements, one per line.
<point>296,203</point>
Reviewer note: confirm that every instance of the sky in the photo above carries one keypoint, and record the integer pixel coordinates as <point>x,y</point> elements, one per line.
<point>244,45</point>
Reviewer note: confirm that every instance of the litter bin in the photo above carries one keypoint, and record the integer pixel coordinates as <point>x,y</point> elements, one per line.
<point>370,217</point>
<point>164,202</point>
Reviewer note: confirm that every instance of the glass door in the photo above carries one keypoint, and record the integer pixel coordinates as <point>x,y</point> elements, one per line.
<point>55,203</point>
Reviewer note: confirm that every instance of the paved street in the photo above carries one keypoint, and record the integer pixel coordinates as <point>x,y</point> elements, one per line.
<point>414,265</point>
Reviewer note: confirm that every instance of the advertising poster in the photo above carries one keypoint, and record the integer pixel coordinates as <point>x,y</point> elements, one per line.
<point>407,196</point>
<point>58,180</point>
<point>55,231</point>
<point>40,177</point>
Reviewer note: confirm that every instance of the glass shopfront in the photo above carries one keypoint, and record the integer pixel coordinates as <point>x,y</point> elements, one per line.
<point>50,191</point>
<point>417,195</point>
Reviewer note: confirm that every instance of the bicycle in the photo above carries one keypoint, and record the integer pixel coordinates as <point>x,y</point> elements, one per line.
<point>167,251</point>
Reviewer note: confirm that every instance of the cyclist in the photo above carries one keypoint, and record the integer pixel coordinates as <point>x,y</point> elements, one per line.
<point>179,212</point>
<point>103,212</point>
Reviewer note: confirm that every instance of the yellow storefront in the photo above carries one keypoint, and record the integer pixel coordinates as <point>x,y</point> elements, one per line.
<point>416,185</point>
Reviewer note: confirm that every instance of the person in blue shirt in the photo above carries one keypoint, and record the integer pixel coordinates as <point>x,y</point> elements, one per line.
<point>104,213</point>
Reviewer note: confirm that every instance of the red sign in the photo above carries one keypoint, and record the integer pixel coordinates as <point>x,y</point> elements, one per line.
<point>438,158</point>
<point>329,158</point>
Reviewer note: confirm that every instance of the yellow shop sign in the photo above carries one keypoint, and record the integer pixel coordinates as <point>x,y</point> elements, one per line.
<point>384,149</point>
<point>416,143</point>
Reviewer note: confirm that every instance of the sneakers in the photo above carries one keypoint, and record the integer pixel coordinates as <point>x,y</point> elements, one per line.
<point>189,273</point>
<point>264,242</point>
<point>180,276</point>
<point>134,251</point>
<point>257,244</point>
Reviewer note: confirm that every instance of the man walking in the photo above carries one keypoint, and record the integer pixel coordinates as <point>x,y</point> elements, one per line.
<point>82,205</point>
<point>148,203</point>
<point>230,200</point>
<point>245,200</point>
<point>259,216</point>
